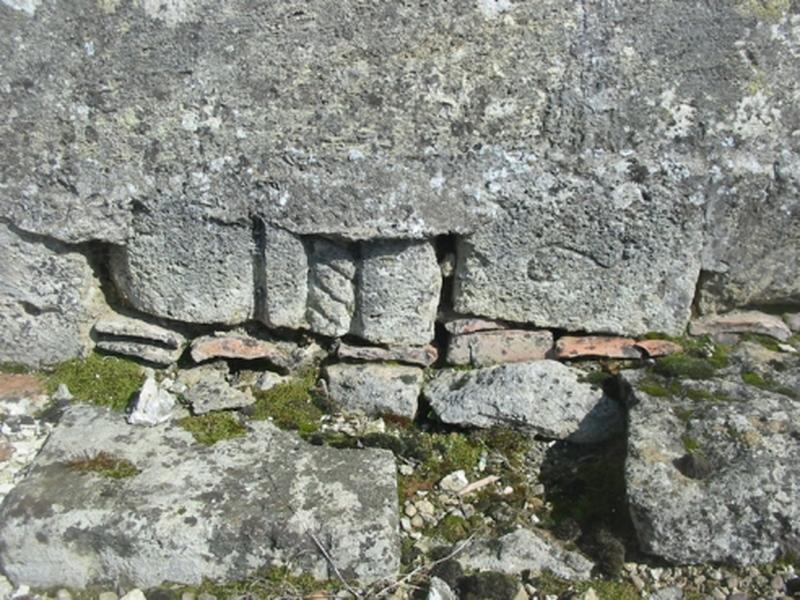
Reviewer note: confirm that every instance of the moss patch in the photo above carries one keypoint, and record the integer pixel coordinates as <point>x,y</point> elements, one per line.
<point>770,11</point>
<point>690,444</point>
<point>213,427</point>
<point>96,379</point>
<point>756,380</point>
<point>549,584</point>
<point>291,405</point>
<point>275,582</point>
<point>453,528</point>
<point>104,464</point>
<point>684,366</point>
<point>13,368</point>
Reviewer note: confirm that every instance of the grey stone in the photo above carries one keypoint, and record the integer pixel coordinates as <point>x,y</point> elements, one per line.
<point>331,292</point>
<point>62,393</point>
<point>749,321</point>
<point>423,356</point>
<point>397,292</point>
<point>461,325</point>
<point>153,405</point>
<point>208,390</point>
<point>127,327</point>
<point>485,348</point>
<point>545,396</point>
<point>141,350</point>
<point>747,259</point>
<point>439,590</point>
<point>563,259</point>
<point>135,594</point>
<point>740,507</point>
<point>219,512</point>
<point>48,300</point>
<point>182,264</point>
<point>793,321</point>
<point>375,389</point>
<point>523,550</point>
<point>240,346</point>
<point>285,278</point>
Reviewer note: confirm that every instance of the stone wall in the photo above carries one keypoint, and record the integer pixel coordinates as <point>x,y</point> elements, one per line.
<point>363,170</point>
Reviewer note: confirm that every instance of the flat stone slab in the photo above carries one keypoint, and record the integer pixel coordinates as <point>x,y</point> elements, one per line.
<point>285,355</point>
<point>544,396</point>
<point>485,348</point>
<point>127,327</point>
<point>745,321</point>
<point>193,511</point>
<point>525,550</point>
<point>596,346</point>
<point>423,356</point>
<point>715,481</point>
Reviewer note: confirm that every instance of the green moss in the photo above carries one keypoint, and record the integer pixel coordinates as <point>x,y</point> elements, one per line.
<point>453,528</point>
<point>597,378</point>
<point>291,405</point>
<point>756,380</point>
<point>96,379</point>
<point>659,388</point>
<point>213,427</point>
<point>104,464</point>
<point>439,455</point>
<point>13,368</point>
<point>763,340</point>
<point>690,444</point>
<point>684,414</point>
<point>684,366</point>
<point>549,584</point>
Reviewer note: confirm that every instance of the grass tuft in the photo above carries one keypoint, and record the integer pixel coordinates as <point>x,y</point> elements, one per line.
<point>291,405</point>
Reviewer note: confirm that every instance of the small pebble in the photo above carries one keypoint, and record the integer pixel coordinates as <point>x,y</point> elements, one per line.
<point>135,594</point>
<point>107,596</point>
<point>406,470</point>
<point>63,595</point>
<point>426,507</point>
<point>417,522</point>
<point>410,510</point>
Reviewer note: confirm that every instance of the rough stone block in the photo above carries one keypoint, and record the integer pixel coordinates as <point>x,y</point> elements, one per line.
<point>485,348</point>
<point>375,389</point>
<point>397,293</point>
<point>48,300</point>
<point>285,278</point>
<point>195,512</point>
<point>423,356</point>
<point>749,321</point>
<point>331,292</point>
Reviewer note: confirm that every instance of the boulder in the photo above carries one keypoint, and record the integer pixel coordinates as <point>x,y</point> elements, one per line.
<point>714,480</point>
<point>485,348</point>
<point>192,512</point>
<point>748,321</point>
<point>375,389</point>
<point>423,356</point>
<point>48,300</point>
<point>397,293</point>
<point>525,550</point>
<point>182,264</point>
<point>545,396</point>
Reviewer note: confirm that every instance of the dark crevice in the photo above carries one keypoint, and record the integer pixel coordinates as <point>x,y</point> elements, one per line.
<point>260,267</point>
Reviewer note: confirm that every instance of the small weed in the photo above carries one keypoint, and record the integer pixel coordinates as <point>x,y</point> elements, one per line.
<point>104,464</point>
<point>291,405</point>
<point>96,379</point>
<point>213,427</point>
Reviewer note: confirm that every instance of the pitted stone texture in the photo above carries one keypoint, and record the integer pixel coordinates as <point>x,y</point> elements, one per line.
<point>48,298</point>
<point>748,321</point>
<point>581,259</point>
<point>525,550</point>
<point>180,264</point>
<point>397,293</point>
<point>375,389</point>
<point>285,279</point>
<point>208,390</point>
<point>734,498</point>
<point>485,348</point>
<point>545,396</point>
<point>219,512</point>
<point>331,291</point>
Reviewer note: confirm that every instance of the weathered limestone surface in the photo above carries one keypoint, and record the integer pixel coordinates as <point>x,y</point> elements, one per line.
<point>746,321</point>
<point>193,511</point>
<point>733,497</point>
<point>544,396</point>
<point>180,264</point>
<point>331,293</point>
<point>47,300</point>
<point>589,176</point>
<point>285,278</point>
<point>485,348</point>
<point>397,292</point>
